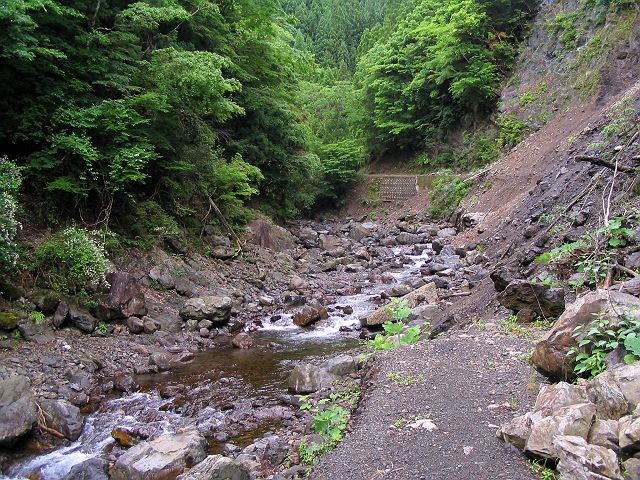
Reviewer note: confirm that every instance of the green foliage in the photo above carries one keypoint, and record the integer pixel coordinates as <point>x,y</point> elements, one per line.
<point>446,193</point>
<point>395,334</point>
<point>399,309</point>
<point>9,184</point>
<point>37,316</point>
<point>596,339</point>
<point>71,261</point>
<point>103,328</point>
<point>511,130</point>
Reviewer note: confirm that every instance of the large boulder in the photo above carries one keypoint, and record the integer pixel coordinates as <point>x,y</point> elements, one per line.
<point>92,469</point>
<point>550,356</point>
<point>309,314</point>
<point>164,458</point>
<point>63,417</point>
<point>552,398</point>
<point>581,461</point>
<point>521,294</point>
<point>125,298</point>
<point>18,409</point>
<point>426,294</point>
<point>217,467</point>
<point>265,233</point>
<point>82,319</point>
<point>340,365</point>
<point>362,230</point>
<point>307,378</point>
<point>329,242</point>
<point>214,308</point>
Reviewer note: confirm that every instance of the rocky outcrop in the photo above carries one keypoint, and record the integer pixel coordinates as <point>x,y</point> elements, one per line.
<point>550,356</point>
<point>217,467</point>
<point>17,407</point>
<point>263,232</point>
<point>426,294</point>
<point>164,458</point>
<point>125,298</point>
<point>212,308</point>
<point>545,301</point>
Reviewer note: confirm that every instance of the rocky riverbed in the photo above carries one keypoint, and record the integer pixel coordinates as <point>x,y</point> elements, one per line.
<point>188,343</point>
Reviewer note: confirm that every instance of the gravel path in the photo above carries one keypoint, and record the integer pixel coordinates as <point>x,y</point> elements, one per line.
<point>466,383</point>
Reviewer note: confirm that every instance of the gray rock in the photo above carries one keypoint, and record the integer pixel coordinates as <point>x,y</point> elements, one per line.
<point>214,308</point>
<point>46,301</point>
<point>340,365</point>
<point>447,232</point>
<point>552,398</point>
<point>399,290</point>
<point>502,277</point>
<point>91,469</point>
<point>168,322</point>
<point>362,230</point>
<point>263,232</point>
<point>518,430</point>
<point>629,434</point>
<point>163,458</point>
<point>550,356</point>
<point>425,294</point>
<point>242,341</point>
<point>162,360</point>
<point>472,219</point>
<point>163,274</point>
<point>605,393</point>
<point>18,409</point>
<point>217,467</point>
<point>35,331</point>
<point>633,261</point>
<point>63,417</point>
<point>581,461</point>
<point>627,377</point>
<point>406,238</point>
<point>308,237</point>
<point>307,378</point>
<point>135,325</point>
<point>223,253</point>
<point>125,297</point>
<point>632,468</point>
<point>61,314</point>
<point>82,319</point>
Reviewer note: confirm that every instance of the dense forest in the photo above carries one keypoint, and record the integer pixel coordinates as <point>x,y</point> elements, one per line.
<point>137,116</point>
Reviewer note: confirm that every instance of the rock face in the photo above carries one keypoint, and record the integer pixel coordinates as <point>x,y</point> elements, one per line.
<point>125,298</point>
<point>521,294</point>
<point>17,407</point>
<point>164,458</point>
<point>550,356</point>
<point>426,294</point>
<point>215,309</point>
<point>308,378</point>
<point>268,235</point>
<point>63,417</point>
<point>217,467</point>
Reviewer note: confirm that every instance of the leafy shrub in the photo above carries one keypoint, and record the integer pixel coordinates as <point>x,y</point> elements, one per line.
<point>71,261</point>
<point>511,130</point>
<point>446,193</point>
<point>9,183</point>
<point>395,334</point>
<point>598,338</point>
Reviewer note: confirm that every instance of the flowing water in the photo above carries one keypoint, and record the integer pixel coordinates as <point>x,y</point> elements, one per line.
<point>218,378</point>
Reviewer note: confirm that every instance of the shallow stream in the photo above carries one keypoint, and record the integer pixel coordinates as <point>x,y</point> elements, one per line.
<point>224,380</point>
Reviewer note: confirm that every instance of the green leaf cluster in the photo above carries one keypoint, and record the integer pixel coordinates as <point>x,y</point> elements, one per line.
<point>9,184</point>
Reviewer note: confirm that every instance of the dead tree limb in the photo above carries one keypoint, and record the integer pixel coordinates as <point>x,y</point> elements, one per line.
<point>604,163</point>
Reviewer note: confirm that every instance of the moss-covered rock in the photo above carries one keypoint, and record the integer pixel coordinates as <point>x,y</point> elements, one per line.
<point>8,320</point>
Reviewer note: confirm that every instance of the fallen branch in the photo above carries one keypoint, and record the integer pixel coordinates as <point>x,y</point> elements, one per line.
<point>42,424</point>
<point>604,163</point>
<point>626,270</point>
<point>214,207</point>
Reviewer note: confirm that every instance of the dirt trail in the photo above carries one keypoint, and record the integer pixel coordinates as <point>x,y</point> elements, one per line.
<point>466,383</point>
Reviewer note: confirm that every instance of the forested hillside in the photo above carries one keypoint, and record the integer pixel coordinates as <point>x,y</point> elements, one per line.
<point>139,116</point>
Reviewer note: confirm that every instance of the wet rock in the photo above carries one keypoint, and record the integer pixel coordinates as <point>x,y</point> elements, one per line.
<point>125,298</point>
<point>604,433</point>
<point>242,340</point>
<point>581,461</point>
<point>91,469</point>
<point>399,290</point>
<point>340,365</point>
<point>425,294</point>
<point>162,360</point>
<point>217,467</point>
<point>308,378</point>
<point>82,319</point>
<point>135,325</point>
<point>63,417</point>
<point>125,437</point>
<point>550,356</point>
<point>17,407</point>
<point>8,320</point>
<point>125,383</point>
<point>545,301</point>
<point>163,458</point>
<point>216,309</point>
<point>309,314</point>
